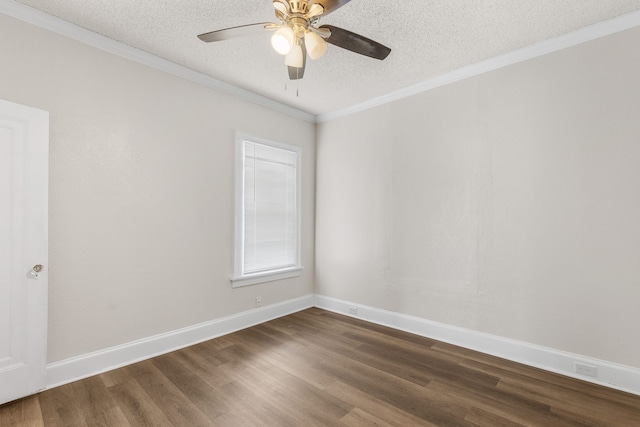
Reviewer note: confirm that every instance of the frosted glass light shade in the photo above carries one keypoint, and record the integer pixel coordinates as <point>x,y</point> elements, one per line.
<point>282,40</point>
<point>294,57</point>
<point>316,46</point>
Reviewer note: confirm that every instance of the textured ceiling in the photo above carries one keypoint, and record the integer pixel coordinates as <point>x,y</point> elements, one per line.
<point>427,37</point>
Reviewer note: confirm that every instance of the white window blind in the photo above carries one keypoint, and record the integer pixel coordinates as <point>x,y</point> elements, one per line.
<point>270,208</point>
<point>267,211</point>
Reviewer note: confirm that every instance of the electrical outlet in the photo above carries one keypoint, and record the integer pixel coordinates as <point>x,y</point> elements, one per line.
<point>258,301</point>
<point>353,311</point>
<point>584,369</point>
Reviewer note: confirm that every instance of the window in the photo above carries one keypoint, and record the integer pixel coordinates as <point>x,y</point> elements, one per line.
<point>267,229</point>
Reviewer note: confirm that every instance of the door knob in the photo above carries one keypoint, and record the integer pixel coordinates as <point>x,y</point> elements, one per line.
<point>35,270</point>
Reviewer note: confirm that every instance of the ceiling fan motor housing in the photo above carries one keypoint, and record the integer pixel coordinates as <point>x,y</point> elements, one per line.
<point>296,18</point>
<point>301,6</point>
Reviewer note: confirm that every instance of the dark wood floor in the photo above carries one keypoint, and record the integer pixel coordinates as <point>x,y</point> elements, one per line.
<point>317,368</point>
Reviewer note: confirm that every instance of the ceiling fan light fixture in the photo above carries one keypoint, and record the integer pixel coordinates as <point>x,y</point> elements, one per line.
<point>282,40</point>
<point>297,33</point>
<point>316,46</point>
<point>294,57</point>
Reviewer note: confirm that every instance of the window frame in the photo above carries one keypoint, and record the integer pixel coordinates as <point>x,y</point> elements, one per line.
<point>239,278</point>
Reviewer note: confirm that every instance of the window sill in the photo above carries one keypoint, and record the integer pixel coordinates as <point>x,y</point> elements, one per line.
<point>267,276</point>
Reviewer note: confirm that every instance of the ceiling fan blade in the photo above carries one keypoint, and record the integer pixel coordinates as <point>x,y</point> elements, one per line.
<point>234,32</point>
<point>356,43</point>
<point>296,73</point>
<point>330,5</point>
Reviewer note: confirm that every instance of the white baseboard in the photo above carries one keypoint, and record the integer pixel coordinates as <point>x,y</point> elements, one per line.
<point>608,374</point>
<point>90,364</point>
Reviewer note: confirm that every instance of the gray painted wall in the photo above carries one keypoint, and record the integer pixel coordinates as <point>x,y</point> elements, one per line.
<point>507,203</point>
<point>141,191</point>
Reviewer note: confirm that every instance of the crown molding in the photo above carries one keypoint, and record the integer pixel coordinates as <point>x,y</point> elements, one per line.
<point>44,20</point>
<point>592,32</point>
<point>57,25</point>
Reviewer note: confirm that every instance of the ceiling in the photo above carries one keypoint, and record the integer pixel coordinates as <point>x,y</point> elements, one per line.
<point>428,38</point>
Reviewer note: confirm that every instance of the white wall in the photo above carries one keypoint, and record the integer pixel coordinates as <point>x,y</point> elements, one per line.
<point>508,203</point>
<point>141,191</point>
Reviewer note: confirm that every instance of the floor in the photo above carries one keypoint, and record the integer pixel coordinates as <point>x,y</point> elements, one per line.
<point>317,368</point>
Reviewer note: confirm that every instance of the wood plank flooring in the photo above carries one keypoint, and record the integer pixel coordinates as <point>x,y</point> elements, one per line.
<point>317,368</point>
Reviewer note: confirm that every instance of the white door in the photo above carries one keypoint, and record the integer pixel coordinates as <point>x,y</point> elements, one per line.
<point>24,146</point>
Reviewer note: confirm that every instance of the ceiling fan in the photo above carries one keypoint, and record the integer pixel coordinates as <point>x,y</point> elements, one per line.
<point>298,34</point>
